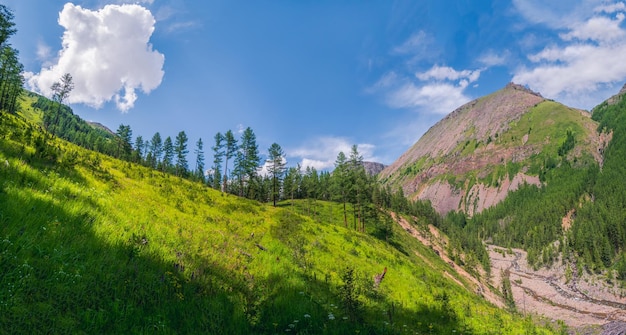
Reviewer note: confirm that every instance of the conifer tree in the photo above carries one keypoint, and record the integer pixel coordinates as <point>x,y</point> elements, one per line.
<point>341,183</point>
<point>180,149</point>
<point>61,91</point>
<point>199,160</point>
<point>276,169</point>
<point>247,162</point>
<point>218,158</point>
<point>230,147</point>
<point>168,154</point>
<point>11,79</point>
<point>156,150</point>
<point>124,142</point>
<point>139,150</point>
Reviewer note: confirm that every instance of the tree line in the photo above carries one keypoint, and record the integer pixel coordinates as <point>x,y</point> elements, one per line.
<point>237,166</point>
<point>11,79</point>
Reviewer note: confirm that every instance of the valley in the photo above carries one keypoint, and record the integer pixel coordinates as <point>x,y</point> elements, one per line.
<point>580,302</point>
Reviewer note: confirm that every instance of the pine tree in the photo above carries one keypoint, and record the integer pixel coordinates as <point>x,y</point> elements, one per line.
<point>139,150</point>
<point>341,183</point>
<point>218,158</point>
<point>156,150</point>
<point>124,142</point>
<point>276,169</point>
<point>199,160</point>
<point>61,91</point>
<point>247,162</point>
<point>168,155</point>
<point>11,79</point>
<point>230,151</point>
<point>180,149</point>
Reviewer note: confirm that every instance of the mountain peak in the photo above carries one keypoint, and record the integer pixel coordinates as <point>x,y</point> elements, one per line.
<point>457,164</point>
<point>616,98</point>
<point>519,87</point>
<point>477,120</point>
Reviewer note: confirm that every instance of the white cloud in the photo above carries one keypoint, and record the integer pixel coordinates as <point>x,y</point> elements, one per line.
<point>108,54</point>
<point>611,8</point>
<point>587,60</point>
<point>600,29</point>
<point>415,44</point>
<point>439,98</point>
<point>447,73</point>
<point>492,58</point>
<point>322,152</point>
<point>439,90</point>
<point>556,13</point>
<point>43,51</point>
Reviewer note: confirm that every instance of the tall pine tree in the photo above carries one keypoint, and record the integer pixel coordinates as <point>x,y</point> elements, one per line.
<point>276,169</point>
<point>180,149</point>
<point>199,160</point>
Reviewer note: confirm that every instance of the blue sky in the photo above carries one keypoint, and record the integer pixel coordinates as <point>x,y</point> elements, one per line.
<point>314,76</point>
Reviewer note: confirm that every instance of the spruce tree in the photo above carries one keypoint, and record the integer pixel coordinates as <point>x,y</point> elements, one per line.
<point>218,158</point>
<point>230,145</point>
<point>156,150</point>
<point>168,155</point>
<point>180,148</point>
<point>199,160</point>
<point>276,169</point>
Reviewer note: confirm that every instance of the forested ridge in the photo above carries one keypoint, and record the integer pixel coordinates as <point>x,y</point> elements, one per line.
<point>593,197</point>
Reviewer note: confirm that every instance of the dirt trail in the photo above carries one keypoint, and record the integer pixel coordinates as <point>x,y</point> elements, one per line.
<point>546,293</point>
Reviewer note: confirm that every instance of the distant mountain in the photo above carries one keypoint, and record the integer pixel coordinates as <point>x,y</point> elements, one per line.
<point>99,125</point>
<point>476,155</point>
<point>373,168</point>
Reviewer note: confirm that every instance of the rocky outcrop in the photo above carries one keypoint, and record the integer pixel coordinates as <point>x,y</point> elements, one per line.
<point>373,168</point>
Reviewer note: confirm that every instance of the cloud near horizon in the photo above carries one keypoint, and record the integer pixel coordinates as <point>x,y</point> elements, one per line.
<point>108,54</point>
<point>322,152</point>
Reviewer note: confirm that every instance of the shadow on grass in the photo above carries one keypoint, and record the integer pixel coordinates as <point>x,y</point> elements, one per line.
<point>58,276</point>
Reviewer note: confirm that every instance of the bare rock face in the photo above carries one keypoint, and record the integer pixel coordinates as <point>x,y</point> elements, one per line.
<point>614,328</point>
<point>373,168</point>
<point>465,143</point>
<point>616,98</point>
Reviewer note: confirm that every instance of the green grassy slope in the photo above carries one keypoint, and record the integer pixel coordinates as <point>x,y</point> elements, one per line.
<point>90,244</point>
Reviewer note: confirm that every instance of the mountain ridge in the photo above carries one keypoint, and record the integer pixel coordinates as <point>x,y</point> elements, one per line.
<point>473,157</point>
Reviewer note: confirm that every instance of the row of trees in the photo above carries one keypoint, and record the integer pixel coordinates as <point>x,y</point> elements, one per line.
<point>11,79</point>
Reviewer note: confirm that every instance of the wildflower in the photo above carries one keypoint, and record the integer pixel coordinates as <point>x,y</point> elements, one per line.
<point>296,321</point>
<point>291,325</point>
<point>307,316</point>
<point>331,316</point>
<point>345,318</point>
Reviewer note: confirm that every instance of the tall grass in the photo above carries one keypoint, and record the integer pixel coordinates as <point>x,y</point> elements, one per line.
<point>89,244</point>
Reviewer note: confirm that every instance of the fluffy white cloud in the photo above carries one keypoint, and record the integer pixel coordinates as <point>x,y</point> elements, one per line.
<point>600,29</point>
<point>448,73</point>
<point>611,8</point>
<point>588,59</point>
<point>321,153</point>
<point>440,98</point>
<point>439,90</point>
<point>108,54</point>
<point>492,58</point>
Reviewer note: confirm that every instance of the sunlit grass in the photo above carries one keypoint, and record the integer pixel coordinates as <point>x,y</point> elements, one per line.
<point>97,245</point>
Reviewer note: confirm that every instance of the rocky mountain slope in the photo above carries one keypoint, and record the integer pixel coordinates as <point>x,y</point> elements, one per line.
<point>476,155</point>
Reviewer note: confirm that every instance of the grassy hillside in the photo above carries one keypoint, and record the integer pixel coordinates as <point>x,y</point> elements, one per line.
<point>90,244</point>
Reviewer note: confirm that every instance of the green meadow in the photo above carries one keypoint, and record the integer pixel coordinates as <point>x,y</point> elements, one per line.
<point>92,245</point>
